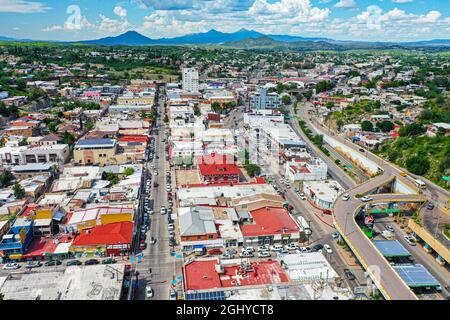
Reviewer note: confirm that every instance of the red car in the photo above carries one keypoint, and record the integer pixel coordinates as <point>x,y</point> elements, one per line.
<point>142,245</point>
<point>213,252</point>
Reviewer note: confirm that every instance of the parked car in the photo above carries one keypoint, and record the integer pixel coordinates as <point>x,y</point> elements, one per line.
<point>149,292</point>
<point>163,210</point>
<point>246,254</point>
<point>227,255</point>
<point>317,247</point>
<point>11,266</point>
<point>291,246</point>
<point>327,248</point>
<point>109,261</point>
<point>91,262</point>
<point>302,196</point>
<point>213,252</point>
<point>52,263</point>
<point>142,245</point>
<point>276,247</point>
<point>248,248</point>
<point>74,263</point>
<point>389,228</point>
<point>349,274</point>
<point>263,248</point>
<point>173,295</point>
<point>33,264</point>
<point>335,235</point>
<point>264,254</point>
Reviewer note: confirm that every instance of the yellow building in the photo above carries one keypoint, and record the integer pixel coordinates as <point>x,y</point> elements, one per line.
<point>95,151</point>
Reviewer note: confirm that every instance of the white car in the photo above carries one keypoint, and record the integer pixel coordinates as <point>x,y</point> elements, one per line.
<point>264,254</point>
<point>291,246</point>
<point>327,248</point>
<point>390,228</point>
<point>246,254</point>
<point>263,248</point>
<point>149,292</point>
<point>302,196</point>
<point>411,241</point>
<point>276,247</point>
<point>366,199</point>
<point>170,227</point>
<point>248,249</point>
<point>346,197</point>
<point>163,210</point>
<point>155,173</point>
<point>11,266</point>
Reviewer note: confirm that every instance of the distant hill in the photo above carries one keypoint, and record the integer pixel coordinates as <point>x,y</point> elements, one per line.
<point>266,42</point>
<point>245,38</point>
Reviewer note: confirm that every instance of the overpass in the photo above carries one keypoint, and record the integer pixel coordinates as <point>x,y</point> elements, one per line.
<point>384,276</point>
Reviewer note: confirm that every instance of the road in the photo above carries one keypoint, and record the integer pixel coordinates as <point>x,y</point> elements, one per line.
<point>157,257</point>
<point>389,282</point>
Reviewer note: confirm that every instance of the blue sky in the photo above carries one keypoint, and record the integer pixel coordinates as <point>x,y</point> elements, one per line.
<point>375,20</point>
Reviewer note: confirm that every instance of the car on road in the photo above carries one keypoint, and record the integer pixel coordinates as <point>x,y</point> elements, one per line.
<point>349,274</point>
<point>142,245</point>
<point>109,261</point>
<point>52,263</point>
<point>410,240</point>
<point>246,254</point>
<point>11,266</point>
<point>403,174</point>
<point>149,292</point>
<point>33,264</point>
<point>317,247</point>
<point>170,227</point>
<point>335,235</point>
<point>362,150</point>
<point>302,196</point>
<point>264,254</point>
<point>74,263</point>
<point>430,206</point>
<point>327,248</point>
<point>390,228</point>
<point>152,240</point>
<point>168,188</point>
<point>163,210</point>
<point>346,197</point>
<point>155,173</point>
<point>155,184</point>
<point>91,262</point>
<point>366,199</point>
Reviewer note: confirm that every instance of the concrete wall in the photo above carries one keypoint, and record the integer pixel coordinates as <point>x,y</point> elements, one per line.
<point>356,157</point>
<point>403,188</point>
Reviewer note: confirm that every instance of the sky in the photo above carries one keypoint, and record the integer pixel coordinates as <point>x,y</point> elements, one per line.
<point>372,20</point>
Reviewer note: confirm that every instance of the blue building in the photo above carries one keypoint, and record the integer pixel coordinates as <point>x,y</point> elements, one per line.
<point>265,100</point>
<point>15,242</point>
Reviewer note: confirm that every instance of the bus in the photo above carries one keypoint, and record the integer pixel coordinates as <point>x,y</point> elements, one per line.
<point>420,184</point>
<point>304,224</point>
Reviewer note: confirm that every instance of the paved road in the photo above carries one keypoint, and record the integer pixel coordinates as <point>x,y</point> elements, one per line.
<point>389,282</point>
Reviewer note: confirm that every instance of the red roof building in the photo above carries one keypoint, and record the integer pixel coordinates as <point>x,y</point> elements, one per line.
<point>209,274</point>
<point>271,224</point>
<point>218,169</point>
<point>114,238</point>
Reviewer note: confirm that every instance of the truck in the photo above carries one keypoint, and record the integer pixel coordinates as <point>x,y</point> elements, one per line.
<point>304,224</point>
<point>420,184</point>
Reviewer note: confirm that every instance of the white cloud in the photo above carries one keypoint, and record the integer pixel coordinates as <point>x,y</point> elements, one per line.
<point>346,4</point>
<point>121,12</point>
<point>402,1</point>
<point>22,6</point>
<point>111,26</point>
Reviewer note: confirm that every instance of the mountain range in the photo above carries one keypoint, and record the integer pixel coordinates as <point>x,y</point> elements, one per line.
<point>249,39</point>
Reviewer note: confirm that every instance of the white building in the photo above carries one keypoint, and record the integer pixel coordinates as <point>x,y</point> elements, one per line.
<point>190,80</point>
<point>315,169</point>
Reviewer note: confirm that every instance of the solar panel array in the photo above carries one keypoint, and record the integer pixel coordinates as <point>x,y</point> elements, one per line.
<point>416,276</point>
<point>217,295</point>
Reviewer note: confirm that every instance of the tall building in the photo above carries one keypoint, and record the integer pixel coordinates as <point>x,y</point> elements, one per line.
<point>264,100</point>
<point>190,80</point>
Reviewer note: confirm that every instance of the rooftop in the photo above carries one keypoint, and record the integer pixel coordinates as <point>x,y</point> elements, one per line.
<point>269,221</point>
<point>391,248</point>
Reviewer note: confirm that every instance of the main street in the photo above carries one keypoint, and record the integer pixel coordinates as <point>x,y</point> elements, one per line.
<point>157,257</point>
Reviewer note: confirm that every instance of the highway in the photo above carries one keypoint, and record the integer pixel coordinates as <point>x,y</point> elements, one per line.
<point>387,280</point>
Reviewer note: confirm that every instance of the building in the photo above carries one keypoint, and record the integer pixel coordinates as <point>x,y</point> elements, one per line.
<point>264,100</point>
<point>56,153</point>
<point>190,80</point>
<point>270,225</point>
<point>113,239</point>
<point>314,169</point>
<point>218,169</point>
<point>322,194</point>
<point>16,241</point>
<point>95,151</point>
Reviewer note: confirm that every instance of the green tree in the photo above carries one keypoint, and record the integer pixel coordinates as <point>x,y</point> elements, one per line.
<point>412,130</point>
<point>253,169</point>
<point>19,191</point>
<point>166,118</point>
<point>367,126</point>
<point>385,126</point>
<point>6,177</point>
<point>128,171</point>
<point>286,100</point>
<point>323,86</point>
<point>111,177</point>
<point>418,165</point>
